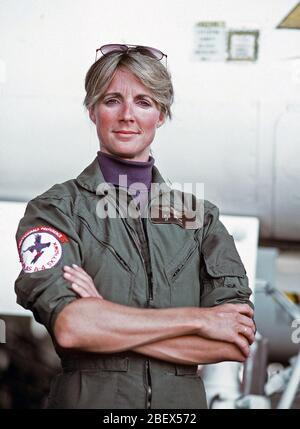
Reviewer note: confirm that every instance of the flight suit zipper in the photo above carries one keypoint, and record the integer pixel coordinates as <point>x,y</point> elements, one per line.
<point>147,264</point>
<point>143,248</point>
<point>140,240</point>
<point>148,259</point>
<point>149,388</point>
<point>145,256</point>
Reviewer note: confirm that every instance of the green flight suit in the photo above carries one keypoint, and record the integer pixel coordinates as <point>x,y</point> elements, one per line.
<point>159,263</point>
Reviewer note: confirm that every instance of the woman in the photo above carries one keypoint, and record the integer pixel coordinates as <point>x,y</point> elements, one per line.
<point>133,298</point>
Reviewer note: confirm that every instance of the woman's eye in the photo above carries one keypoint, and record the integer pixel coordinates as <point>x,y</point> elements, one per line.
<point>111,101</point>
<point>144,103</point>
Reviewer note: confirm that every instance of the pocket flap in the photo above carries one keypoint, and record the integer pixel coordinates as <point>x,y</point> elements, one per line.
<point>221,257</point>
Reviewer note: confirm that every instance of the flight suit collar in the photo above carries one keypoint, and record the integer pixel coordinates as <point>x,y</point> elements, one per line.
<point>91,177</point>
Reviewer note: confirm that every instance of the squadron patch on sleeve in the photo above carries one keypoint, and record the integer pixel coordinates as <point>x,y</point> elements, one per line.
<point>40,248</point>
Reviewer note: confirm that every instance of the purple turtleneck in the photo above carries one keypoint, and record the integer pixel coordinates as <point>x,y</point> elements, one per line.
<point>138,175</point>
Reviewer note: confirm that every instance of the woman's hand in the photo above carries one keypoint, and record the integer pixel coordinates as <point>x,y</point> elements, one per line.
<point>232,323</point>
<point>81,282</point>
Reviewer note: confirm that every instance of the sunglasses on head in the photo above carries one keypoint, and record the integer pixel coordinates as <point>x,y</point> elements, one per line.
<point>119,48</point>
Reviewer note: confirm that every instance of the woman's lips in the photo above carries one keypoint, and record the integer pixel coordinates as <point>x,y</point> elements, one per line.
<point>125,132</point>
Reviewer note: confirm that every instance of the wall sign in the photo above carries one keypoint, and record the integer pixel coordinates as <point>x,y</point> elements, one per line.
<point>242,45</point>
<point>210,41</point>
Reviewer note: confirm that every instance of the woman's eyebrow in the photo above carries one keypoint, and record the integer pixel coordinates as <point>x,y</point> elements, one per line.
<point>119,95</point>
<point>114,94</point>
<point>143,95</point>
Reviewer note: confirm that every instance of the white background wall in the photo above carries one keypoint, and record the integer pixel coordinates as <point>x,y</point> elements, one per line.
<point>231,128</point>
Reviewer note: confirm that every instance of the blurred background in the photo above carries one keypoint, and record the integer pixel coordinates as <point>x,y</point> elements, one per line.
<point>235,67</point>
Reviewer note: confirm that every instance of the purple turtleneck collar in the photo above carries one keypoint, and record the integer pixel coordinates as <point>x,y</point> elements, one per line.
<point>136,171</point>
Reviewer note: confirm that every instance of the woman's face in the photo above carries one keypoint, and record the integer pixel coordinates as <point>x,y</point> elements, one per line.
<point>126,118</point>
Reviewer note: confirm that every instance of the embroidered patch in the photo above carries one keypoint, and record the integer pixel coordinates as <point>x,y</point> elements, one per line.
<point>40,248</point>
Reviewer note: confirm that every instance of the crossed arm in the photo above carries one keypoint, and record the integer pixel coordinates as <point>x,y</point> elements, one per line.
<point>187,335</point>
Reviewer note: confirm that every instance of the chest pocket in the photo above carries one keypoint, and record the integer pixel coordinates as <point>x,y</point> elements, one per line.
<point>113,276</point>
<point>183,276</point>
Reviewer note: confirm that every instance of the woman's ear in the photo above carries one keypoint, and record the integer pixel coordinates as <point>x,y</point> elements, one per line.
<point>92,114</point>
<point>161,119</point>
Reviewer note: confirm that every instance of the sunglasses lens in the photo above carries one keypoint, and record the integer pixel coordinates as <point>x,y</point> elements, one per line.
<point>108,49</point>
<point>144,50</point>
<point>150,52</point>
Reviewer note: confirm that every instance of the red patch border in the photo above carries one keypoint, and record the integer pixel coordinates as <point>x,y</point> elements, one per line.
<point>59,235</point>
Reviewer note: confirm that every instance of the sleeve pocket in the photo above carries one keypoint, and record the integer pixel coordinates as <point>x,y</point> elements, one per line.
<point>223,276</point>
<point>221,257</point>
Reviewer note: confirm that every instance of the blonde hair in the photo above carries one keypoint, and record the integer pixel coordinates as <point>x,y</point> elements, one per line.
<point>151,72</point>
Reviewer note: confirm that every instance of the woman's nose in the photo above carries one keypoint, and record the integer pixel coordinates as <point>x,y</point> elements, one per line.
<point>127,113</point>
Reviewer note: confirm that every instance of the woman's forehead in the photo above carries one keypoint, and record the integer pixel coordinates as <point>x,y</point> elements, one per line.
<point>125,80</point>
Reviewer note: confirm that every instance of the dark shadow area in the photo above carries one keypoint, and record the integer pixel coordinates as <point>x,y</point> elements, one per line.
<point>28,362</point>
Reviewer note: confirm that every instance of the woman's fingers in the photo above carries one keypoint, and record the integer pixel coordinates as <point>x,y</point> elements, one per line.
<point>81,270</point>
<point>247,332</point>
<point>246,321</point>
<point>246,327</point>
<point>82,280</point>
<point>79,274</point>
<point>80,283</point>
<point>81,291</point>
<point>243,345</point>
<point>245,309</point>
